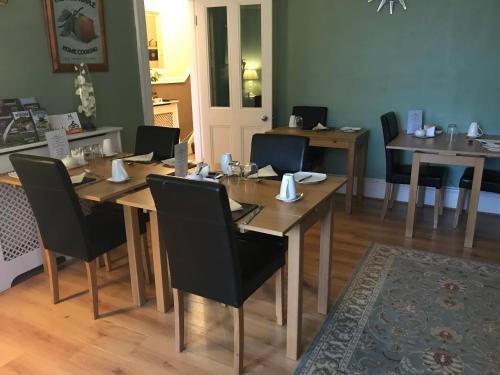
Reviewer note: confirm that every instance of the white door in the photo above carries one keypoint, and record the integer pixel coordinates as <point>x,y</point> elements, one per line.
<point>234,55</point>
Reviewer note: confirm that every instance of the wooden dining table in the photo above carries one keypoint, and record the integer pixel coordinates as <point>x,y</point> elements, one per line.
<point>354,143</point>
<point>441,150</point>
<point>101,190</point>
<point>277,219</point>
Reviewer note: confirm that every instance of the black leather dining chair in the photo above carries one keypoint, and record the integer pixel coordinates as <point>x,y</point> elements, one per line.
<point>157,139</point>
<point>161,141</point>
<point>285,153</point>
<point>312,115</point>
<point>490,183</point>
<point>397,173</point>
<point>206,254</point>
<point>63,227</point>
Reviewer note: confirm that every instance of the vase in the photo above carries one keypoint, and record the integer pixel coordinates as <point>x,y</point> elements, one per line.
<point>85,91</point>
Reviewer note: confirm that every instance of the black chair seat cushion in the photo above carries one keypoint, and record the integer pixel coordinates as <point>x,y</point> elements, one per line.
<point>489,183</point>
<point>260,255</point>
<point>430,176</point>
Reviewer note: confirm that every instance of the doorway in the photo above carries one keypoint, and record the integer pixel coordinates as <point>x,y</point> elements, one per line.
<point>218,54</point>
<point>168,30</point>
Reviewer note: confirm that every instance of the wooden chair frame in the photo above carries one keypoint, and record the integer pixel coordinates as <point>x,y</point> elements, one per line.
<point>91,268</point>
<point>239,335</point>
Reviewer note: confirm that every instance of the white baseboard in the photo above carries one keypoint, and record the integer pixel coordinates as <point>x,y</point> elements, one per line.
<point>375,188</point>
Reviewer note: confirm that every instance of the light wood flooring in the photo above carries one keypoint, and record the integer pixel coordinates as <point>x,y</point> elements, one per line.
<point>37,337</point>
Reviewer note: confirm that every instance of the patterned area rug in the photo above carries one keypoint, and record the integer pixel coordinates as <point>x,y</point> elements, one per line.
<point>411,312</point>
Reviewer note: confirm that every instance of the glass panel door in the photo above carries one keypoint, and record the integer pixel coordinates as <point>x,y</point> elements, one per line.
<point>251,55</point>
<point>218,56</point>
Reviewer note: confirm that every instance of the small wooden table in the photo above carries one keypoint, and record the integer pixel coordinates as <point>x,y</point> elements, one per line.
<point>440,150</point>
<point>356,145</point>
<point>102,191</point>
<point>278,219</point>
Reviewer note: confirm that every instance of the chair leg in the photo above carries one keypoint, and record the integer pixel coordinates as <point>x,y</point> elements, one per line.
<point>179,319</point>
<point>460,206</point>
<point>437,202</point>
<point>92,280</point>
<point>388,189</point>
<point>280,296</point>
<point>238,339</point>
<point>394,193</point>
<point>107,261</point>
<point>421,196</point>
<point>146,262</point>
<point>50,260</point>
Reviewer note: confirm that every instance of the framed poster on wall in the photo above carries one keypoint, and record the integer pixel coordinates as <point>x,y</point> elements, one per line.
<point>76,34</point>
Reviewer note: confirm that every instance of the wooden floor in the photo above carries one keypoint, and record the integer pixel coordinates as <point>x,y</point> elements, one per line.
<point>37,337</point>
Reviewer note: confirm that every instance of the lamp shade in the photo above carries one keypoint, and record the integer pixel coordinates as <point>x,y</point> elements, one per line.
<point>250,74</point>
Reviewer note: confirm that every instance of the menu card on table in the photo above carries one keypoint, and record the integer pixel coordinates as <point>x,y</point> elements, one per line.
<point>181,159</point>
<point>58,144</point>
<point>415,121</point>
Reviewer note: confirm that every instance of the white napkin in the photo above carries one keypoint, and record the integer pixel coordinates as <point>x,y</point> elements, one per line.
<point>70,162</point>
<point>319,127</point>
<point>235,206</point>
<point>77,179</point>
<point>350,129</point>
<point>430,132</point>
<point>140,158</point>
<point>292,123</point>
<point>169,162</point>
<point>12,174</point>
<point>267,171</point>
<point>204,170</point>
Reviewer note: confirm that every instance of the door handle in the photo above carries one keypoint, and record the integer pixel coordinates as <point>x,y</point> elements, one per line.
<point>264,118</point>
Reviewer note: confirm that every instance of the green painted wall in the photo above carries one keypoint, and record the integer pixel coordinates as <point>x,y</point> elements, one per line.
<point>26,70</point>
<point>440,56</point>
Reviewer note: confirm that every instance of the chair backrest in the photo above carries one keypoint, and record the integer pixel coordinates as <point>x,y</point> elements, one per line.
<point>157,139</point>
<point>198,232</point>
<point>285,153</point>
<point>311,115</point>
<point>390,129</point>
<point>55,204</point>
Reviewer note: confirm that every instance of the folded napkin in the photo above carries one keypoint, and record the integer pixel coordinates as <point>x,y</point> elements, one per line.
<point>203,169</point>
<point>140,158</point>
<point>77,179</point>
<point>70,162</point>
<point>12,174</point>
<point>235,206</point>
<point>319,127</point>
<point>430,131</point>
<point>267,171</point>
<point>350,129</point>
<point>169,162</point>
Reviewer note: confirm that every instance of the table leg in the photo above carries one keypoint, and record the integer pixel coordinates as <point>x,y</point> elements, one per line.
<point>351,155</point>
<point>360,190</point>
<point>295,275</point>
<point>325,261</point>
<point>410,216</point>
<point>160,264</point>
<point>134,255</point>
<point>474,201</point>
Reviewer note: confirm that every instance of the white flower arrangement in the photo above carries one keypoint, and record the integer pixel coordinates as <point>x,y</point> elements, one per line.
<point>85,91</point>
